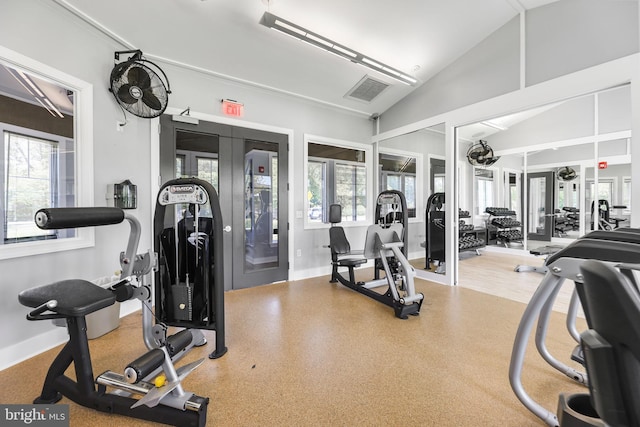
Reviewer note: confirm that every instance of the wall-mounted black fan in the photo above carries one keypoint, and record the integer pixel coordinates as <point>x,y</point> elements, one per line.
<point>481,154</point>
<point>139,85</point>
<point>567,174</point>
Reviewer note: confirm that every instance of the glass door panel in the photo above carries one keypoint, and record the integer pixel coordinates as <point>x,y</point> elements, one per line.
<point>540,206</point>
<point>261,205</point>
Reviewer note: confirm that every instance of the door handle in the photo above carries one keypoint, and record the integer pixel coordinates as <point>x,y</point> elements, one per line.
<point>227,229</point>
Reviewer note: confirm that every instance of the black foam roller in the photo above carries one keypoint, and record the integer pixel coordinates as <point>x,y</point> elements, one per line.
<point>143,365</point>
<point>58,218</point>
<point>179,341</point>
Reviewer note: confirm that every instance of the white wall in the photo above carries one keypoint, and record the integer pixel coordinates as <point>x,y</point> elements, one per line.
<point>571,35</point>
<point>559,38</point>
<point>65,43</point>
<point>489,69</point>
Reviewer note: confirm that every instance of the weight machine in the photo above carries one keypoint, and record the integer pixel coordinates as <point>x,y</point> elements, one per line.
<point>163,398</point>
<point>611,247</point>
<point>384,244</point>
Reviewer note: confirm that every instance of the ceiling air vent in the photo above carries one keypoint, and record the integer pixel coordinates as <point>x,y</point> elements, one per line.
<point>366,89</point>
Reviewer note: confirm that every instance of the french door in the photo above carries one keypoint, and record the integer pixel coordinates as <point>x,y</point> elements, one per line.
<point>248,169</point>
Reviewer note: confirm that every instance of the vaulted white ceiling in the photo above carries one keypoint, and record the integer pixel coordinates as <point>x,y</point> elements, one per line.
<point>224,37</point>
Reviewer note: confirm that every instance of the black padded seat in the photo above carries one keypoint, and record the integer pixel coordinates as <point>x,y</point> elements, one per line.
<point>75,297</point>
<point>353,262</point>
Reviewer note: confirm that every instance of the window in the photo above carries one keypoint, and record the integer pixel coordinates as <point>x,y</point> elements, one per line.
<point>438,183</point>
<point>605,190</point>
<point>196,164</point>
<point>399,172</point>
<point>567,194</point>
<point>336,172</point>
<point>561,195</point>
<point>47,158</point>
<point>626,194</point>
<point>32,172</point>
<point>350,190</point>
<point>437,174</point>
<point>316,189</point>
<point>484,189</point>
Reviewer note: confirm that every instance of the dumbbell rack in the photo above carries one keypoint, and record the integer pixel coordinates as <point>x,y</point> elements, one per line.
<point>572,217</point>
<point>471,238</point>
<point>503,228</point>
<point>561,224</point>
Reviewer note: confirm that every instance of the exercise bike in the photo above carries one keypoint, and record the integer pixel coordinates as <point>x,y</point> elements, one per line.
<point>384,244</point>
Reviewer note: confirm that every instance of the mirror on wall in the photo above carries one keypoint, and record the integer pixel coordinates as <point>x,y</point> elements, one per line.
<point>399,172</point>
<point>610,206</point>
<point>551,160</point>
<point>414,164</point>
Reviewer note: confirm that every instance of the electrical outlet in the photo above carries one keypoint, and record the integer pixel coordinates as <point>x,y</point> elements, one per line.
<point>298,252</point>
<point>120,126</point>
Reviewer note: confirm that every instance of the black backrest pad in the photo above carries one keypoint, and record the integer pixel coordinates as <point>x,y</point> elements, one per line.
<point>75,297</point>
<point>335,214</point>
<point>338,241</point>
<point>612,308</point>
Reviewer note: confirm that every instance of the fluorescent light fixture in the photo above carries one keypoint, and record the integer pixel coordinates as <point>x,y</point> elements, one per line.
<point>32,87</point>
<point>31,83</point>
<point>289,28</point>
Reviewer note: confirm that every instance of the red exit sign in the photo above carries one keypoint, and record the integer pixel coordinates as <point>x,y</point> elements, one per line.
<point>602,165</point>
<point>232,108</point>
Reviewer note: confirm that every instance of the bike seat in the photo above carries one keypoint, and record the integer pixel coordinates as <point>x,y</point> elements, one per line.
<point>75,297</point>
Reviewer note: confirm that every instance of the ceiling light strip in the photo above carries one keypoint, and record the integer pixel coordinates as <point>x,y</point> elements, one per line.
<point>32,87</point>
<point>289,28</point>
<point>493,125</point>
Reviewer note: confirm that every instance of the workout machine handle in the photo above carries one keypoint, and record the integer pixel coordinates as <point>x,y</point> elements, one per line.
<point>57,218</point>
<point>37,313</point>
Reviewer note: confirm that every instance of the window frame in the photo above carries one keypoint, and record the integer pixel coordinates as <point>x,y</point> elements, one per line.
<point>481,215</point>
<point>83,143</point>
<point>625,194</point>
<point>57,143</point>
<point>368,165</point>
<point>419,177</point>
<point>190,161</point>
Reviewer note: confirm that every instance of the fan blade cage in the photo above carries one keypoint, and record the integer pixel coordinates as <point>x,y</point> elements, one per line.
<point>567,174</point>
<point>481,155</point>
<point>139,88</point>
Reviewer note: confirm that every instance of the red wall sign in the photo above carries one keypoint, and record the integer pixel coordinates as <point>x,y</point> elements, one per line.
<point>602,165</point>
<point>232,108</point>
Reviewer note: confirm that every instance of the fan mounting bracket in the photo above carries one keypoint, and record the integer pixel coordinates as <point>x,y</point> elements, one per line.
<point>137,53</point>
